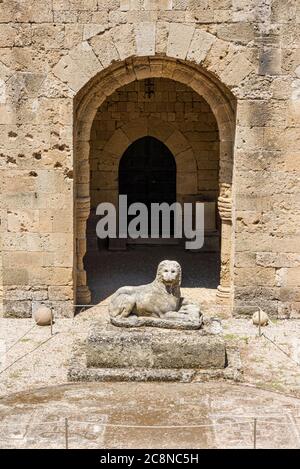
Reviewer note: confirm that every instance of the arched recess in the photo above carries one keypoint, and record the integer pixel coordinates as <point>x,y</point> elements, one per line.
<point>90,98</point>
<point>147,173</point>
<point>169,135</point>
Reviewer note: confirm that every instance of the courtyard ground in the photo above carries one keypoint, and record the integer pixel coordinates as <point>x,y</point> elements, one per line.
<point>34,392</point>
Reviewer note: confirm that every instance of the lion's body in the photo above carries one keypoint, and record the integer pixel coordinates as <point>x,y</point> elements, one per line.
<point>154,299</point>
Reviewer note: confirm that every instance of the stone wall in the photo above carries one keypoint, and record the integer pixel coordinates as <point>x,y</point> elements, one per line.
<point>241,56</point>
<point>173,106</point>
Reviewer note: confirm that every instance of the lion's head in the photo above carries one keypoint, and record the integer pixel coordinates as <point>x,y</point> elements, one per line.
<point>169,273</point>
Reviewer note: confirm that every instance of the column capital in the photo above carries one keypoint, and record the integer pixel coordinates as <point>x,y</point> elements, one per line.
<point>225,202</point>
<point>83,207</point>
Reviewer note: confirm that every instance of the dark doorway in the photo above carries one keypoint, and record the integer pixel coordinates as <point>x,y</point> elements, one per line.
<point>147,173</point>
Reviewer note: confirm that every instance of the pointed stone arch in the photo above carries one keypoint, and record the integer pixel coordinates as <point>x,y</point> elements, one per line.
<point>168,134</point>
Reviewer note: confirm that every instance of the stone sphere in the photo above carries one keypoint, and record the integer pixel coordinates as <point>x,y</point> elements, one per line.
<point>264,318</point>
<point>42,316</point>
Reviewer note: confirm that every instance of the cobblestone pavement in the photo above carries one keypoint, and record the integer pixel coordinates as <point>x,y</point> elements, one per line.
<point>40,360</point>
<point>149,415</point>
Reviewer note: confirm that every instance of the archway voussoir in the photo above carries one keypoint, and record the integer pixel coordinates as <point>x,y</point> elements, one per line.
<point>83,148</point>
<point>85,128</point>
<point>104,47</point>
<point>118,143</point>
<point>76,68</point>
<point>156,67</point>
<point>176,142</point>
<point>159,129</point>
<point>237,69</point>
<point>67,71</point>
<point>226,131</point>
<point>185,161</point>
<point>179,39</point>
<point>124,40</point>
<point>217,57</point>
<point>168,68</point>
<point>222,113</point>
<point>207,90</point>
<point>183,74</point>
<point>125,75</point>
<point>226,150</point>
<point>145,38</point>
<point>141,67</point>
<point>200,45</point>
<point>136,129</point>
<point>161,37</point>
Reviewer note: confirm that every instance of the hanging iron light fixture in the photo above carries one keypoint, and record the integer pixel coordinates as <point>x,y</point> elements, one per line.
<point>149,87</point>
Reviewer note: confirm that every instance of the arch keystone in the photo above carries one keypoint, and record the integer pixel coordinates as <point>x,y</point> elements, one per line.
<point>145,38</point>
<point>136,129</point>
<point>156,129</point>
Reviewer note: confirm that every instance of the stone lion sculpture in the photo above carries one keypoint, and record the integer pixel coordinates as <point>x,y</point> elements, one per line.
<point>158,303</point>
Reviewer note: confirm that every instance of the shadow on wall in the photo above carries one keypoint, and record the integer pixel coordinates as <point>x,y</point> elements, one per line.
<point>109,270</point>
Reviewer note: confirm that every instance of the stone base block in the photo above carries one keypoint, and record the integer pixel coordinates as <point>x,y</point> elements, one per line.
<point>126,374</point>
<point>150,348</point>
<point>78,371</point>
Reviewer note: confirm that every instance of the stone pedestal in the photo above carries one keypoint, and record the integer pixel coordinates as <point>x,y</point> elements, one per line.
<point>112,353</point>
<point>153,348</point>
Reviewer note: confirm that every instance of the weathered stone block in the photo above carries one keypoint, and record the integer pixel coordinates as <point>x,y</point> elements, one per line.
<point>255,276</point>
<point>180,36</point>
<point>271,259</point>
<point>124,40</point>
<point>17,309</point>
<point>145,38</point>
<point>104,48</point>
<point>33,11</point>
<point>270,61</point>
<point>16,276</point>
<point>76,68</point>
<point>157,4</point>
<point>200,45</point>
<point>112,348</point>
<point>60,293</point>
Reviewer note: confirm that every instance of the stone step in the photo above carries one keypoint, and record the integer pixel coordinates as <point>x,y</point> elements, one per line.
<point>114,347</point>
<point>129,374</point>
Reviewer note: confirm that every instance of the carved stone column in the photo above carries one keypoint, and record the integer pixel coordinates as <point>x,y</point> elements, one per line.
<point>224,291</point>
<point>83,294</point>
<point>1,279</point>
